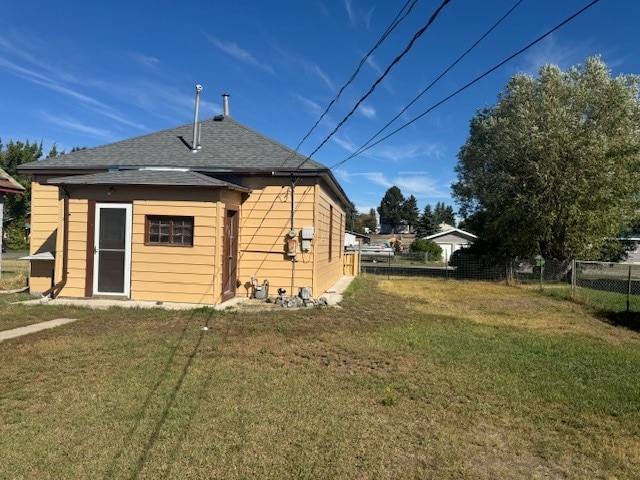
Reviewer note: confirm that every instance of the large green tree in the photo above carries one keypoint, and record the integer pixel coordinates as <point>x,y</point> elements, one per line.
<point>426,223</point>
<point>444,214</point>
<point>13,154</point>
<point>391,207</point>
<point>554,167</point>
<point>410,213</point>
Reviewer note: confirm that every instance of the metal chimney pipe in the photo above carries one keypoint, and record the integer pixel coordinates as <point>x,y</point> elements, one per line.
<point>194,145</point>
<point>225,104</point>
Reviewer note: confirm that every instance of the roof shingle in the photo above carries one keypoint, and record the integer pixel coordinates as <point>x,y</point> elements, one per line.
<point>227,146</point>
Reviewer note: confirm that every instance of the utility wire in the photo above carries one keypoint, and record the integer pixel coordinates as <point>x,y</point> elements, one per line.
<point>437,79</point>
<point>467,85</point>
<point>396,21</point>
<point>416,36</point>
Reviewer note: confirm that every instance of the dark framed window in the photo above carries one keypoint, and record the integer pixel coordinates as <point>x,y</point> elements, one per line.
<point>177,231</point>
<point>330,232</point>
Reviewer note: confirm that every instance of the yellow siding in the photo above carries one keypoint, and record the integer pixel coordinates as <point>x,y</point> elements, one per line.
<point>77,248</point>
<point>194,274</point>
<point>46,207</point>
<point>264,224</point>
<point>329,231</point>
<point>176,274</point>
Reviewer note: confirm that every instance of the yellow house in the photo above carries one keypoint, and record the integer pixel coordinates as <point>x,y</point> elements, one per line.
<point>190,214</point>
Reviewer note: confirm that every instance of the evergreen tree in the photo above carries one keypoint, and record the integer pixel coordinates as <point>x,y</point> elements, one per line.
<point>426,223</point>
<point>444,214</point>
<point>391,208</point>
<point>411,212</point>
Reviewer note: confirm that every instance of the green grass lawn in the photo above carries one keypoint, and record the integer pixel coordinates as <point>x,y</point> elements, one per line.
<point>412,378</point>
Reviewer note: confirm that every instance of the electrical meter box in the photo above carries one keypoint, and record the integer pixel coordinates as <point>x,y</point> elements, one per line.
<point>306,236</point>
<point>307,233</point>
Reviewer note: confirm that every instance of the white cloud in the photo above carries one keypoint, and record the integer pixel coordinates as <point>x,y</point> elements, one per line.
<point>318,72</point>
<point>309,105</point>
<point>412,183</point>
<point>69,123</point>
<point>356,17</point>
<point>350,14</point>
<point>367,111</point>
<point>59,81</point>
<point>372,63</point>
<point>346,144</point>
<point>550,50</point>
<point>342,175</point>
<point>234,50</point>
<point>399,153</point>
<point>145,60</point>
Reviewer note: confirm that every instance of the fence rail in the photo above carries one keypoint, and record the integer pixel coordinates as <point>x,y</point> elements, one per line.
<point>612,287</point>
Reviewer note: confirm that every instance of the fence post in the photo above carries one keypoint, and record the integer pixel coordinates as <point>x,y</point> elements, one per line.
<point>574,276</point>
<point>629,291</point>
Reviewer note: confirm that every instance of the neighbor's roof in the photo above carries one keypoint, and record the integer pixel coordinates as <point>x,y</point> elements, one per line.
<point>164,178</point>
<point>453,231</point>
<point>8,184</point>
<point>227,146</point>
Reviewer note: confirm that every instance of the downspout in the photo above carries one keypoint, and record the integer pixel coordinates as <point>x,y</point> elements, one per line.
<point>57,288</point>
<point>293,259</point>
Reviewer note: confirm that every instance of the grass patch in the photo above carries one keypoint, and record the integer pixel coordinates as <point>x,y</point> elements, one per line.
<point>412,378</point>
<point>14,273</point>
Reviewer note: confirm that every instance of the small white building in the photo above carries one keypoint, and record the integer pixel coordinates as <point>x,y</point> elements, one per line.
<point>452,239</point>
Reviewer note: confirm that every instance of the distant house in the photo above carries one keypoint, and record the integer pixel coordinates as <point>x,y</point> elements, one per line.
<point>387,228</point>
<point>354,239</point>
<point>452,239</point>
<point>190,214</point>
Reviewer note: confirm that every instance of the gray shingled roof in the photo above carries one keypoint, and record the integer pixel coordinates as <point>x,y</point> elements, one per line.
<point>168,178</point>
<point>226,146</point>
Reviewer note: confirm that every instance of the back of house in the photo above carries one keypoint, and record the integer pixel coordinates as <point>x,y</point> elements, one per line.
<point>192,214</point>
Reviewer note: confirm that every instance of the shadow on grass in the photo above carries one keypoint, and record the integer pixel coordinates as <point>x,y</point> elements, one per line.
<point>630,320</point>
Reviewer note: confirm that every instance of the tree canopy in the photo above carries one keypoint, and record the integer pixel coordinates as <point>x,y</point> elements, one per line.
<point>553,167</point>
<point>426,223</point>
<point>410,212</point>
<point>12,155</point>
<point>444,214</point>
<point>391,207</point>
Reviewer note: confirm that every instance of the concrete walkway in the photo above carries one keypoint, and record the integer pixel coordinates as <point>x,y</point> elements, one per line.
<point>36,327</point>
<point>333,297</point>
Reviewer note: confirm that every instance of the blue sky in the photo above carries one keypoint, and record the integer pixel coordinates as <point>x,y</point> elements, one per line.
<point>94,72</point>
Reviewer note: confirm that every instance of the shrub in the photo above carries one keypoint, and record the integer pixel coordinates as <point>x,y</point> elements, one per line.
<point>16,239</point>
<point>426,246</point>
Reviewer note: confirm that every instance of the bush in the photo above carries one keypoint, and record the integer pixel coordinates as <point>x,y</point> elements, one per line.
<point>16,239</point>
<point>426,246</point>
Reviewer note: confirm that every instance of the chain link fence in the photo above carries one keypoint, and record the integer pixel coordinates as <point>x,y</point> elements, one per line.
<point>606,286</point>
<point>612,287</point>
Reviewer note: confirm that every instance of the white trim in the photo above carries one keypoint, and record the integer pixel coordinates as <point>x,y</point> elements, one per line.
<point>127,252</point>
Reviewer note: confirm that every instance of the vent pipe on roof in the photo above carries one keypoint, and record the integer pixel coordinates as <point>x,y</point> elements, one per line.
<point>195,145</point>
<point>225,104</point>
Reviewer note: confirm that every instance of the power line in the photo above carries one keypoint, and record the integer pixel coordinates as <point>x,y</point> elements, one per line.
<point>394,23</point>
<point>416,36</point>
<point>467,85</point>
<point>437,79</point>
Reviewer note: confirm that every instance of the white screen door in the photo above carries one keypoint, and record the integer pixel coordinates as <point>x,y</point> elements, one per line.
<point>112,249</point>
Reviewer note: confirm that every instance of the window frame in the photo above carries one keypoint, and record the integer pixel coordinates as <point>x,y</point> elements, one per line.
<point>171,219</point>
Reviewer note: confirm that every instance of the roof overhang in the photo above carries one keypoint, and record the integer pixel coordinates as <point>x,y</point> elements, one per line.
<point>148,178</point>
<point>8,184</point>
